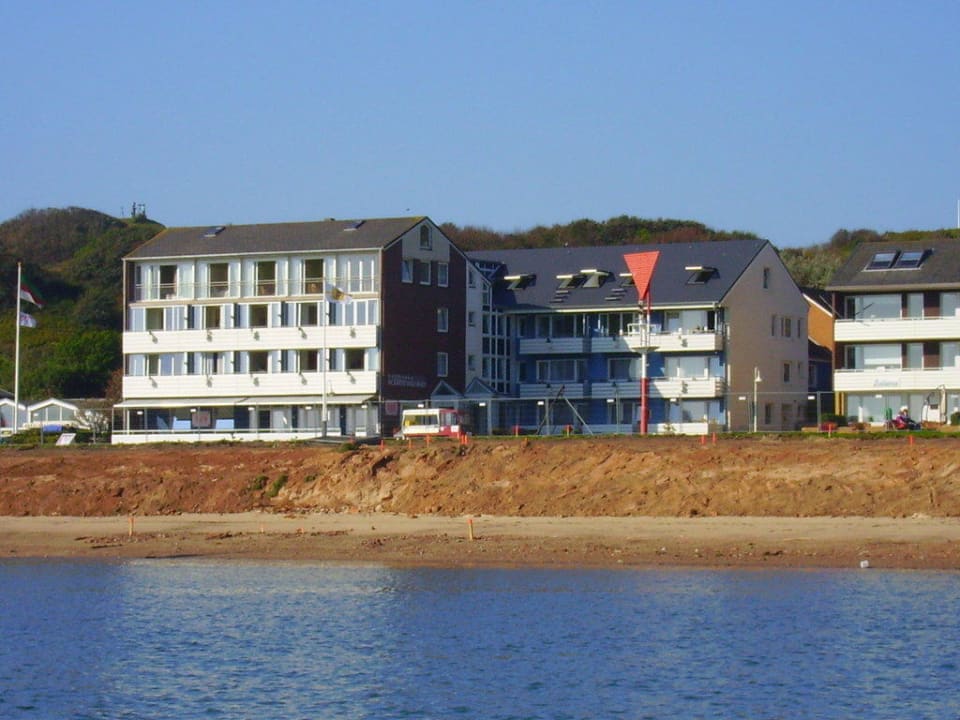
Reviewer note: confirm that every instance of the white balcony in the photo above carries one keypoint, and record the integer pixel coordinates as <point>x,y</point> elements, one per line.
<point>312,287</point>
<point>251,385</point>
<point>637,340</point>
<point>571,390</point>
<point>546,346</point>
<point>687,387</point>
<point>238,339</point>
<point>897,329</point>
<point>895,379</point>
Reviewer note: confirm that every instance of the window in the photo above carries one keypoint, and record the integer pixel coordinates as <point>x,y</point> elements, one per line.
<point>882,260</point>
<point>259,361</point>
<point>309,361</point>
<point>909,259</point>
<point>701,274</point>
<point>168,281</point>
<point>153,364</point>
<point>471,318</point>
<point>766,278</point>
<point>353,359</point>
<point>309,314</point>
<point>471,362</point>
<point>211,316</point>
<point>786,327</point>
<point>406,270</point>
<point>914,307</point>
<point>443,274</point>
<point>767,413</point>
<point>424,271</point>
<point>313,276</point>
<point>219,280</point>
<point>443,319</point>
<point>786,372</point>
<point>773,326</point>
<point>913,359</point>
<point>154,318</point>
<point>471,278</point>
<point>426,241</point>
<point>266,277</point>
<point>441,364</point>
<point>259,316</point>
<point>619,368</point>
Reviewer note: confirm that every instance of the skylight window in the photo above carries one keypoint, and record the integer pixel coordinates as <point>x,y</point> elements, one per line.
<point>519,282</point>
<point>910,259</point>
<point>701,274</point>
<point>882,260</point>
<point>214,231</point>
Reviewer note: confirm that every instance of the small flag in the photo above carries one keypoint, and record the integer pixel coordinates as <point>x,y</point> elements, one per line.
<point>27,320</point>
<point>30,294</point>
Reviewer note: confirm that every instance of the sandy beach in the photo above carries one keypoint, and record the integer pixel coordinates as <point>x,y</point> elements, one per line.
<point>391,539</point>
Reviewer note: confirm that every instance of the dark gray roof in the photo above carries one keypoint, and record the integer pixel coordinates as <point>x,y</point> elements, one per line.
<point>669,286</point>
<point>274,238</point>
<point>940,267</point>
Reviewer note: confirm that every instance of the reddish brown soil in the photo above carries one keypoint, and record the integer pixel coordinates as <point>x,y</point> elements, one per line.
<point>808,476</point>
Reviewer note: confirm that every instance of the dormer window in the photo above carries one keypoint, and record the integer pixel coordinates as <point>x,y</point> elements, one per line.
<point>572,280</point>
<point>519,282</point>
<point>594,278</point>
<point>700,274</point>
<point>882,260</point>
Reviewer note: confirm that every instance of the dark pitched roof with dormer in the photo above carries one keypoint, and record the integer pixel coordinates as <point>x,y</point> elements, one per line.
<point>900,265</point>
<point>528,278</point>
<point>273,238</point>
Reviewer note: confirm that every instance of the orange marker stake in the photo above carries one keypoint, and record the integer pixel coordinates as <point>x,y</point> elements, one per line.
<point>470,528</point>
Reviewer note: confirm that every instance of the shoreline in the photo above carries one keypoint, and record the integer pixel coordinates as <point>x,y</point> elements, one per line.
<point>497,541</point>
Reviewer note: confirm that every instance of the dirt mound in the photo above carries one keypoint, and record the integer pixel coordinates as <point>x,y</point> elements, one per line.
<point>577,477</point>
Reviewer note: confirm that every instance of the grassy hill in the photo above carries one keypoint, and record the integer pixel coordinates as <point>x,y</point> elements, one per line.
<point>73,256</point>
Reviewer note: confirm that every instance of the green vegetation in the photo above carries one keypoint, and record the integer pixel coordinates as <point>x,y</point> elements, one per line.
<point>73,257</point>
<point>276,485</point>
<point>258,483</point>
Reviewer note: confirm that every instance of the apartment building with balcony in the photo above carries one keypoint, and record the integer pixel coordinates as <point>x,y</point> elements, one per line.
<point>897,332</point>
<point>290,330</point>
<point>724,344</point>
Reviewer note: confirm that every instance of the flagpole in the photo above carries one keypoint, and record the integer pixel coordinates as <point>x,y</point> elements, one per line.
<point>16,362</point>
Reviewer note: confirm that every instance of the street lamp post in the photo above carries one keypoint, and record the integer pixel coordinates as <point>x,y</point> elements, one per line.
<point>756,381</point>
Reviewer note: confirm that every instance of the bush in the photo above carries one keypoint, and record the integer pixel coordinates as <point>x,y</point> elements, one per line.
<point>258,483</point>
<point>275,486</point>
<point>955,418</point>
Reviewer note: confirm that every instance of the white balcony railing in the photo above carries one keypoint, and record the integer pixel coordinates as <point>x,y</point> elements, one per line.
<point>897,329</point>
<point>638,339</point>
<point>270,288</point>
<point>239,339</point>
<point>251,385</point>
<point>895,379</point>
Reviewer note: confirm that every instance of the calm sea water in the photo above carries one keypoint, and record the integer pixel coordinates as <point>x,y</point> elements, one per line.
<point>200,639</point>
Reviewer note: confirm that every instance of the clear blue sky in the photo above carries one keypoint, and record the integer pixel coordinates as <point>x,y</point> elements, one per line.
<point>787,119</point>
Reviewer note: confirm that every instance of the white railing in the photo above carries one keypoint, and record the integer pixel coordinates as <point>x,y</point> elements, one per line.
<point>239,339</point>
<point>247,289</point>
<point>897,329</point>
<point>895,378</point>
<point>293,384</point>
<point>695,340</point>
